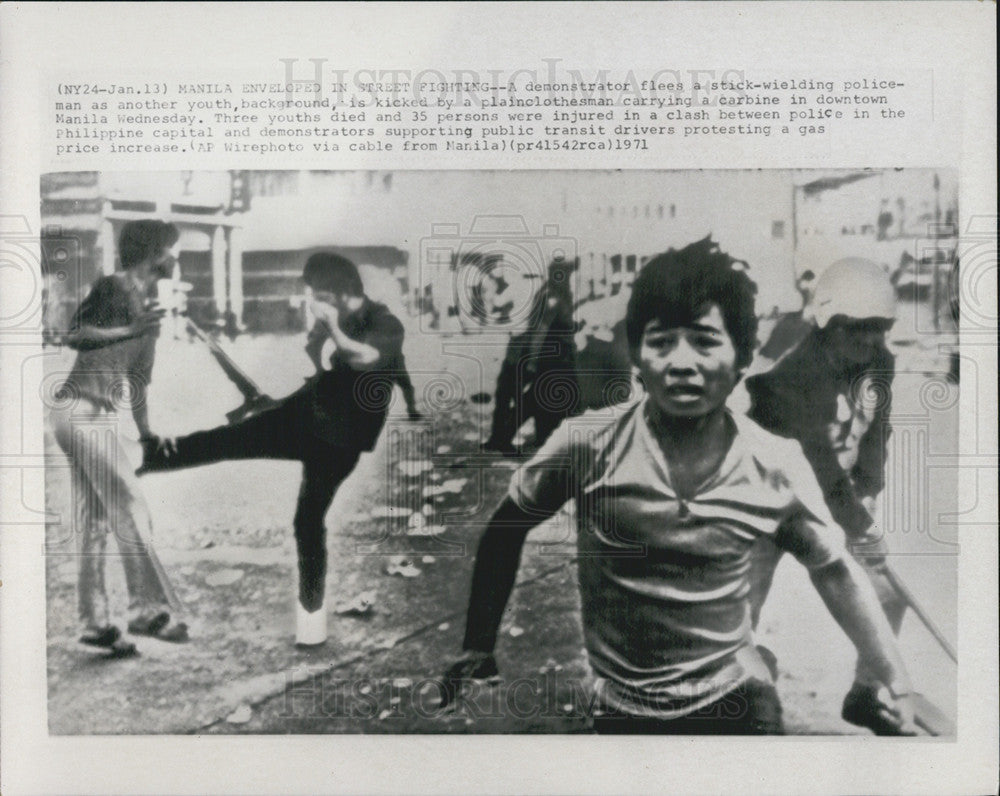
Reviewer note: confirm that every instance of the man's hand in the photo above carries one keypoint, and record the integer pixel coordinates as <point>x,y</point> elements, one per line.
<point>898,711</point>
<point>870,549</point>
<point>870,502</point>
<point>148,321</point>
<point>327,313</point>
<point>474,666</point>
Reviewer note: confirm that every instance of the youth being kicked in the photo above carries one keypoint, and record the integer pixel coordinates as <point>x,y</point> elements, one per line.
<point>114,333</point>
<point>671,496</point>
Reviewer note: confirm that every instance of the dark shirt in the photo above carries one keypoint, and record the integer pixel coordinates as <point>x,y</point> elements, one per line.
<point>345,406</point>
<point>549,339</point>
<point>839,416</point>
<point>787,333</point>
<point>104,375</point>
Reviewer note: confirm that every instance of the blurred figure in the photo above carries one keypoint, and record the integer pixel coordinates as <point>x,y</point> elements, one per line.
<point>538,375</point>
<point>955,307</point>
<point>792,326</point>
<point>885,220</point>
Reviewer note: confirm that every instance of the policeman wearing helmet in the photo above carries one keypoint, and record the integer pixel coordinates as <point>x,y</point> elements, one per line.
<point>833,394</point>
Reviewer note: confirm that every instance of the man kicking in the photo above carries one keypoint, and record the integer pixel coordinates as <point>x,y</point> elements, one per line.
<point>326,424</point>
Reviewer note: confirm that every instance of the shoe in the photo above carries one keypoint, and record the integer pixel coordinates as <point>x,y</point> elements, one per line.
<point>103,637</point>
<point>149,625</point>
<point>174,633</point>
<point>861,708</point>
<point>123,649</point>
<point>110,639</point>
<point>160,626</point>
<point>310,626</point>
<point>153,457</point>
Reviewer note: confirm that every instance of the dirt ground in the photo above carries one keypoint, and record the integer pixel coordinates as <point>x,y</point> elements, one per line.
<point>223,532</point>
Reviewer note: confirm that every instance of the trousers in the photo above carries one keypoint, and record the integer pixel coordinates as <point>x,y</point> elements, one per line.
<point>753,708</point>
<point>107,501</point>
<point>279,433</point>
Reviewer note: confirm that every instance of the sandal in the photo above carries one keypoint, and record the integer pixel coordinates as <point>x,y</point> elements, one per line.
<point>123,649</point>
<point>177,633</point>
<point>104,637</point>
<point>149,625</point>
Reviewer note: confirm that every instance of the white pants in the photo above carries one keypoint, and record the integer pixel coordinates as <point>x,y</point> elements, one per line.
<point>107,500</point>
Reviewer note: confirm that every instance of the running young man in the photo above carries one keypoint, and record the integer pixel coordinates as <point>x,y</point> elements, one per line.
<point>671,496</point>
<point>326,425</point>
<point>115,332</point>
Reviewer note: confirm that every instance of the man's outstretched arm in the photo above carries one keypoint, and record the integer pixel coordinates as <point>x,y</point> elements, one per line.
<point>851,600</point>
<point>497,559</point>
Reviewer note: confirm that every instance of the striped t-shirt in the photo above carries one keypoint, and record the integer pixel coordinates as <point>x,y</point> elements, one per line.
<point>664,581</point>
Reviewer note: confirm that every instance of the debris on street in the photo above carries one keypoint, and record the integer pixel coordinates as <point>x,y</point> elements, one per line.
<point>360,605</point>
<point>224,577</point>
<point>401,565</point>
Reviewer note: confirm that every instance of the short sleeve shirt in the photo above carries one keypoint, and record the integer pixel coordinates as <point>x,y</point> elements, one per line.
<point>106,376</point>
<point>664,581</point>
<point>345,406</point>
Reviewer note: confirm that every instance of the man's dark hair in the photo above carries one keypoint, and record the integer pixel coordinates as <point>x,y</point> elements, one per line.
<point>140,240</point>
<point>330,272</point>
<point>561,276</point>
<point>677,287</point>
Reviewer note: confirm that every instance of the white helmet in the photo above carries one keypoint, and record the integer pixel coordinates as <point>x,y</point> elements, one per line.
<point>856,288</point>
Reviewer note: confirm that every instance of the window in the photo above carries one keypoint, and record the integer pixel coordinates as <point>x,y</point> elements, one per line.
<point>274,183</point>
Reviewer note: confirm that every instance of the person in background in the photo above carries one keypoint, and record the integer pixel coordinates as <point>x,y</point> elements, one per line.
<point>833,395</point>
<point>955,309</point>
<point>792,326</point>
<point>672,494</point>
<point>114,333</point>
<point>538,375</point>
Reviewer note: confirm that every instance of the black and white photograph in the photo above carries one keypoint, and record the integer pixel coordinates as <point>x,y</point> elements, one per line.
<point>627,452</point>
<point>497,397</point>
